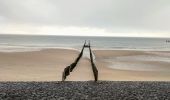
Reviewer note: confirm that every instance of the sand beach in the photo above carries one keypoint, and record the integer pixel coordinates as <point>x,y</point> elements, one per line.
<point>113,65</point>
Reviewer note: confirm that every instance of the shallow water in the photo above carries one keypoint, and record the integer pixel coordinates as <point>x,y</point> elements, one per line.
<point>24,42</point>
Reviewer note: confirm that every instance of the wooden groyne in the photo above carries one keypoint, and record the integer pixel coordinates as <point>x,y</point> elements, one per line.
<point>167,41</point>
<point>70,68</point>
<point>95,71</point>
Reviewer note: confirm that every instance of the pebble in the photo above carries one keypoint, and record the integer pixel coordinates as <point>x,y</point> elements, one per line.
<point>89,90</point>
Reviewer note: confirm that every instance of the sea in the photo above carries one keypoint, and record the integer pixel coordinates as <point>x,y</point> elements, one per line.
<point>18,43</point>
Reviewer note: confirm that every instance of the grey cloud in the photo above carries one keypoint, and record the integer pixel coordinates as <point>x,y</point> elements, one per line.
<point>114,15</point>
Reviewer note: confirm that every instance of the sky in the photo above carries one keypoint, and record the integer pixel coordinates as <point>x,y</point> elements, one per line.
<point>128,18</point>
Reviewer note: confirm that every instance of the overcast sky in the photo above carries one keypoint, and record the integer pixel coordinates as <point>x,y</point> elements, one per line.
<point>143,18</point>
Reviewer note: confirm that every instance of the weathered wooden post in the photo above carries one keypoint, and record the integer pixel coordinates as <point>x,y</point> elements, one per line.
<point>95,71</point>
<point>77,59</point>
<point>66,73</point>
<point>70,68</point>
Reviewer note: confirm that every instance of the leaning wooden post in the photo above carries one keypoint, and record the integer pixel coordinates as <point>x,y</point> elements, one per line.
<point>70,68</point>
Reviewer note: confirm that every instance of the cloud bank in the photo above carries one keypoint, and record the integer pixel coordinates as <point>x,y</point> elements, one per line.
<point>86,17</point>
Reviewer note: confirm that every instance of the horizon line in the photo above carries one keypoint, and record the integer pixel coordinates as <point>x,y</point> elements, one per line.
<point>86,35</point>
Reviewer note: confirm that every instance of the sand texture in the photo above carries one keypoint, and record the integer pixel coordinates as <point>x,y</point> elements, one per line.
<point>113,65</point>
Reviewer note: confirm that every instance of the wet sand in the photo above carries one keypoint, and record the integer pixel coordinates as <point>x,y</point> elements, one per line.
<point>44,65</point>
<point>142,70</point>
<point>48,65</point>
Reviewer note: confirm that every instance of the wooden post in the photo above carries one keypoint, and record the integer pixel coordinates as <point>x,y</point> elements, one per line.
<point>95,71</point>
<point>70,68</point>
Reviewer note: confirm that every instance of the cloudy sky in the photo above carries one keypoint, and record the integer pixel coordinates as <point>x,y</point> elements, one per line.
<point>141,18</point>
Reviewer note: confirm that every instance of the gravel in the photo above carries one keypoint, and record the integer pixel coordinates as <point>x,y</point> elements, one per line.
<point>101,90</point>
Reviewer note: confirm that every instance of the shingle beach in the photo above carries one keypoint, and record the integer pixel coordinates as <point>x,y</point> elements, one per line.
<point>89,90</point>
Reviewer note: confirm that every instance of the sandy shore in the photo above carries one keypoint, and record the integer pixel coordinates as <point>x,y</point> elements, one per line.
<point>113,65</point>
<point>129,65</point>
<point>44,65</point>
